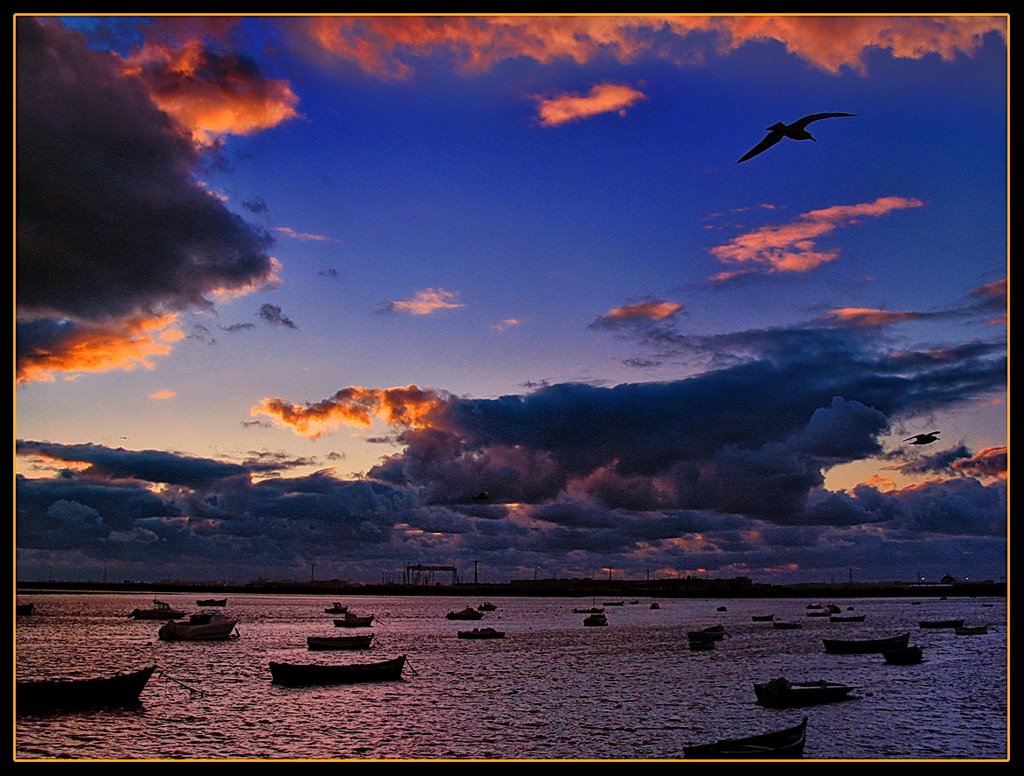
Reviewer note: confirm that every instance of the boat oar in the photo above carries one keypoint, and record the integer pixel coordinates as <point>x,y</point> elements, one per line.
<point>192,691</point>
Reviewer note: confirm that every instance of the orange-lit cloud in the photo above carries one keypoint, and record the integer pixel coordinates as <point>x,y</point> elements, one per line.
<point>384,46</point>
<point>287,231</point>
<point>409,406</point>
<point>791,247</point>
<point>125,345</point>
<point>163,394</point>
<point>990,462</point>
<point>506,324</point>
<point>425,302</point>
<point>867,316</point>
<point>602,98</point>
<point>645,311</point>
<point>211,93</point>
<point>880,482</point>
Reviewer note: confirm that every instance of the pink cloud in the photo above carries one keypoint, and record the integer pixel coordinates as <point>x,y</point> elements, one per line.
<point>425,302</point>
<point>602,98</point>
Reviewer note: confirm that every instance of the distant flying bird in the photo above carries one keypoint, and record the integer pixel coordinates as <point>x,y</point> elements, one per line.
<point>795,131</point>
<point>924,439</point>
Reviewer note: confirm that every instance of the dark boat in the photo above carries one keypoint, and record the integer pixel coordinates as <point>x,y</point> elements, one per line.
<point>762,617</point>
<point>595,619</point>
<point>907,656</point>
<point>338,642</point>
<point>160,611</point>
<point>819,613</point>
<point>971,630</point>
<point>25,609</point>
<point>336,608</point>
<point>302,674</point>
<point>56,695</point>
<point>723,608</point>
<point>832,609</point>
<point>205,626</point>
<point>781,625</point>
<point>354,621</point>
<point>783,694</point>
<point>482,633</point>
<point>713,632</point>
<point>781,744</point>
<point>212,602</point>
<point>486,606</point>
<point>847,618</point>
<point>865,646</point>
<point>614,603</point>
<point>469,613</point>
<point>700,641</point>
<point>634,602</point>
<point>941,623</point>
<point>813,606</point>
<point>655,605</point>
<point>592,610</point>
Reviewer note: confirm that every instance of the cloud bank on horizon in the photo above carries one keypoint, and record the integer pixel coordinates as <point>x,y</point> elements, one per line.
<point>720,465</point>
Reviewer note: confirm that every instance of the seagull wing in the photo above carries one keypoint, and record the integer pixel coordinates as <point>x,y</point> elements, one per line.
<point>909,439</point>
<point>802,123</point>
<point>770,139</point>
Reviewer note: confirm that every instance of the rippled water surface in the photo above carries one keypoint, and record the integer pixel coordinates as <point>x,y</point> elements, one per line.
<point>550,689</point>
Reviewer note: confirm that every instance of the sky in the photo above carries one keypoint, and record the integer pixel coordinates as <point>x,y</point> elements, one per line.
<point>350,293</point>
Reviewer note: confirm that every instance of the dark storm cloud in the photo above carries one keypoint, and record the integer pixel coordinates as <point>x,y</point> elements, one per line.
<point>941,462</point>
<point>148,465</point>
<point>110,222</point>
<point>273,314</point>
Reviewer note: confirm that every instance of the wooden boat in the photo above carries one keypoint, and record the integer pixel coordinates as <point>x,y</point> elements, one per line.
<point>353,621</point>
<point>486,606</point>
<point>338,642</point>
<point>903,657</point>
<point>592,610</point>
<point>723,609</point>
<point>22,610</point>
<point>67,694</point>
<point>302,674</point>
<point>633,602</point>
<point>847,618</point>
<point>336,608</point>
<point>212,602</point>
<point>482,633</point>
<point>865,646</point>
<point>762,617</point>
<point>160,611</point>
<point>782,625</point>
<point>595,619</point>
<point>713,632</point>
<point>971,630</point>
<point>783,694</point>
<point>781,744</point>
<point>204,626</point>
<point>941,623</point>
<point>469,613</point>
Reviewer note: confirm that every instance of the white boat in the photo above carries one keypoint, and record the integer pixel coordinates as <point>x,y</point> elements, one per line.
<point>204,626</point>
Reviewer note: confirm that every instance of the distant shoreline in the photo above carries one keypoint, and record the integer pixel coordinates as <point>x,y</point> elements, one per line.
<point>582,588</point>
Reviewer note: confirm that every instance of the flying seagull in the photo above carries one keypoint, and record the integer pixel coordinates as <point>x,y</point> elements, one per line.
<point>923,439</point>
<point>795,131</point>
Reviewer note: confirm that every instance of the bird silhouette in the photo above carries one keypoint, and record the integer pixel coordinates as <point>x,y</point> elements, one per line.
<point>795,131</point>
<point>923,439</point>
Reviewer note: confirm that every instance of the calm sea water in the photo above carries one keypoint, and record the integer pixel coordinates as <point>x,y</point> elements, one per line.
<point>550,689</point>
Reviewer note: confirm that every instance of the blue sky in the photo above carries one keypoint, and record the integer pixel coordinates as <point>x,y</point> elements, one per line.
<point>243,241</point>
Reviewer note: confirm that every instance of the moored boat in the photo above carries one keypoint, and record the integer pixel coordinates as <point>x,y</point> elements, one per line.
<point>320,643</point>
<point>592,610</point>
<point>160,611</point>
<point>700,641</point>
<point>722,609</point>
<point>204,626</point>
<point>783,694</point>
<point>354,621</point>
<point>713,632</point>
<point>212,602</point>
<point>336,608</point>
<point>780,744</point>
<point>486,606</point>
<point>482,633</point>
<point>865,646</point>
<point>68,694</point>
<point>971,630</point>
<point>783,625</point>
<point>655,605</point>
<point>818,613</point>
<point>847,618</point>
<point>469,613</point>
<point>762,617</point>
<point>595,619</point>
<point>614,603</point>
<point>906,656</point>
<point>941,623</point>
<point>303,674</point>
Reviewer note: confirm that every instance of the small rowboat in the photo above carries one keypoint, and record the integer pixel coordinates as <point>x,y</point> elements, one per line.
<point>487,606</point>
<point>595,619</point>
<point>303,674</point>
<point>782,694</point>
<point>592,610</point>
<point>337,608</point>
<point>972,630</point>
<point>907,656</point>
<point>941,623</point>
<point>781,625</point>
<point>762,617</point>
<point>865,646</point>
<point>354,621</point>
<point>712,632</point>
<point>45,696</point>
<point>482,633</point>
<point>781,744</point>
<point>469,613</point>
<point>338,642</point>
<point>205,626</point>
<point>847,618</point>
<point>212,602</point>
